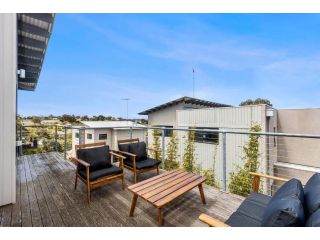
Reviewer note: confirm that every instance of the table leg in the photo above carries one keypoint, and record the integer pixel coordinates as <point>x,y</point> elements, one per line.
<point>202,193</point>
<point>133,204</point>
<point>160,217</point>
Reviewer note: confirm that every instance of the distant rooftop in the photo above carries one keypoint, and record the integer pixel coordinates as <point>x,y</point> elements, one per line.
<point>110,124</point>
<point>186,100</point>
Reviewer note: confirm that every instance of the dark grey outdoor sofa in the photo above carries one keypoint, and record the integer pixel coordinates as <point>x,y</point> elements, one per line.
<point>291,206</point>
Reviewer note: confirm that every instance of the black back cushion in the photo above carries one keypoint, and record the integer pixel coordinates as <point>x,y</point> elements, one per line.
<point>98,157</point>
<point>284,212</point>
<point>314,220</point>
<point>312,194</point>
<point>286,206</point>
<point>124,147</point>
<point>292,187</point>
<point>139,149</point>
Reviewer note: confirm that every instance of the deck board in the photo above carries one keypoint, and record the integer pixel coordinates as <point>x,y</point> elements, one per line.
<point>46,197</point>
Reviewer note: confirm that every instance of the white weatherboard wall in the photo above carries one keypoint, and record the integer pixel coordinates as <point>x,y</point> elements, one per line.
<point>8,80</point>
<point>230,118</point>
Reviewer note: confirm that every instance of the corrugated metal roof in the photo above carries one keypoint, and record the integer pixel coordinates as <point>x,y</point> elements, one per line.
<point>186,100</point>
<point>34,31</point>
<point>110,124</point>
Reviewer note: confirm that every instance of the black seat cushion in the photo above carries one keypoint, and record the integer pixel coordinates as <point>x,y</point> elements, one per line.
<point>314,220</point>
<point>147,163</point>
<point>140,150</point>
<point>284,212</point>
<point>254,205</point>
<point>250,212</point>
<point>312,194</point>
<point>291,188</point>
<point>98,157</point>
<point>238,219</point>
<point>94,175</point>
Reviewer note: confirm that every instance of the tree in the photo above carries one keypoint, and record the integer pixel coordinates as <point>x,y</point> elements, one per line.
<point>156,143</point>
<point>256,102</point>
<point>188,162</point>
<point>171,161</point>
<point>36,120</point>
<point>241,179</point>
<point>68,118</point>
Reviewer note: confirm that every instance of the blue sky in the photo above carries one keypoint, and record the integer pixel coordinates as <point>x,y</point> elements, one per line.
<point>95,60</point>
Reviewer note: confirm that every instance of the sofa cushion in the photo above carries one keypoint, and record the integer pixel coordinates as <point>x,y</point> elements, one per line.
<point>314,219</point>
<point>98,157</point>
<point>312,194</point>
<point>139,149</point>
<point>124,147</point>
<point>238,219</point>
<point>94,175</point>
<point>291,188</point>
<point>284,212</point>
<point>147,163</point>
<point>254,206</point>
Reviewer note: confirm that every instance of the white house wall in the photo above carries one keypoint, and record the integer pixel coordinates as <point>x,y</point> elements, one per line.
<point>8,81</point>
<point>236,118</point>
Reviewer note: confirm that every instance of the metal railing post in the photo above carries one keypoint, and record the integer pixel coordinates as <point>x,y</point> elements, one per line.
<point>20,148</point>
<point>65,142</point>
<point>56,138</point>
<point>224,160</point>
<point>130,132</point>
<point>163,146</point>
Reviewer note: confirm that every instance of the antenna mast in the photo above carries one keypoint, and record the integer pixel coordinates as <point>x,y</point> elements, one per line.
<point>193,80</point>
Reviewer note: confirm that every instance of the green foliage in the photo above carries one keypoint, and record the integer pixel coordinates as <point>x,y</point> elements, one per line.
<point>241,180</point>
<point>171,161</point>
<point>256,102</point>
<point>156,143</point>
<point>210,175</point>
<point>188,162</point>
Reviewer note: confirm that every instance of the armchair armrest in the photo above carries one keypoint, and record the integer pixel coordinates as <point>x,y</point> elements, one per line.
<point>79,161</point>
<point>212,222</point>
<point>257,176</point>
<point>153,149</point>
<point>119,157</point>
<point>127,153</point>
<point>157,151</point>
<point>132,157</point>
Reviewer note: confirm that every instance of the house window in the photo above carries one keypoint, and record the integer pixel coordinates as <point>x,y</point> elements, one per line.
<point>89,136</point>
<point>207,137</point>
<point>103,136</point>
<point>167,131</point>
<point>77,135</point>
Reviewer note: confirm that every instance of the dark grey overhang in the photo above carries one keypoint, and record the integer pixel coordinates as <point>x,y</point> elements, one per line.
<point>186,100</point>
<point>34,31</point>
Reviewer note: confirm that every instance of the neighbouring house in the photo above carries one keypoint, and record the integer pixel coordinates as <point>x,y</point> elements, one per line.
<point>195,113</point>
<point>24,39</point>
<point>106,131</point>
<point>298,157</point>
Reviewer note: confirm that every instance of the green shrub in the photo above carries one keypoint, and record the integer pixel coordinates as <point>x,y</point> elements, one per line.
<point>240,179</point>
<point>156,143</point>
<point>171,161</point>
<point>188,162</point>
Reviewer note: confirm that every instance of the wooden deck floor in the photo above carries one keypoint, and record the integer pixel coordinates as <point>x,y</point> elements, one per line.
<point>46,197</point>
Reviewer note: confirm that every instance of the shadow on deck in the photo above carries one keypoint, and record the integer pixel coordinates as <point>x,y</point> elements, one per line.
<point>46,197</point>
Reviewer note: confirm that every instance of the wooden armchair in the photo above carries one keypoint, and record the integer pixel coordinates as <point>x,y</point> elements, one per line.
<point>137,159</point>
<point>95,168</point>
<point>260,198</point>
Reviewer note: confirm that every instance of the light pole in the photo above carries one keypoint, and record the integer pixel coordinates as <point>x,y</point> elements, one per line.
<point>127,101</point>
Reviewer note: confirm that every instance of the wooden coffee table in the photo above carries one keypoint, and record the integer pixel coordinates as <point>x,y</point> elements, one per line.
<point>164,188</point>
